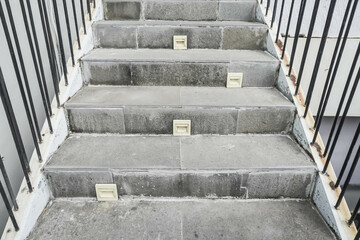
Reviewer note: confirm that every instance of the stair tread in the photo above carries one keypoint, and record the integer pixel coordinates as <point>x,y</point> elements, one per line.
<point>148,218</point>
<point>202,152</point>
<point>117,96</point>
<point>180,23</point>
<point>170,55</point>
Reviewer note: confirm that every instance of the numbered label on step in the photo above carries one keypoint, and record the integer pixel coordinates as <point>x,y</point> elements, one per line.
<point>182,127</point>
<point>234,80</point>
<point>180,42</point>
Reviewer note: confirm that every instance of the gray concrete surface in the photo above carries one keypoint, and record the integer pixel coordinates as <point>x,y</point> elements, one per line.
<point>195,67</point>
<point>194,10</point>
<point>151,110</point>
<point>173,219</point>
<point>159,34</point>
<point>242,166</point>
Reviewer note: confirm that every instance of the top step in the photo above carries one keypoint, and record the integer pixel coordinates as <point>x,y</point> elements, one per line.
<point>188,10</point>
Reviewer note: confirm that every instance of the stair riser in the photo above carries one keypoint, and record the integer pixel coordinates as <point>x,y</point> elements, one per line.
<point>246,185</point>
<point>138,120</point>
<point>255,74</point>
<point>180,10</point>
<point>243,37</point>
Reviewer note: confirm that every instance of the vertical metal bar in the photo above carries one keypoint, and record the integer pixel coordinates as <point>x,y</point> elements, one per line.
<point>76,24</point>
<point>347,181</point>
<point>8,184</point>
<point>8,207</point>
<point>287,29</point>
<point>280,19</point>
<point>297,32</point>
<point>48,39</point>
<point>355,212</point>
<point>268,2</point>
<point>346,87</point>
<point>357,237</point>
<point>274,13</point>
<point>325,101</point>
<point>60,41</point>
<point>261,2</point>
<point>24,73</point>
<point>335,54</point>
<point>348,155</point>
<point>71,46</point>
<point>319,56</point>
<point>307,44</point>
<point>41,79</point>
<point>21,87</point>
<point>32,23</point>
<point>13,126</point>
<point>88,9</point>
<point>348,104</point>
<point>83,15</point>
<point>94,4</point>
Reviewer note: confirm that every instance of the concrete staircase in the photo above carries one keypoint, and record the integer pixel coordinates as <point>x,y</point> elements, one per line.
<point>240,175</point>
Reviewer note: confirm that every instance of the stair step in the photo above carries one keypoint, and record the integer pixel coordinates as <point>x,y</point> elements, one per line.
<point>243,166</point>
<point>195,67</point>
<point>151,110</point>
<point>159,34</point>
<point>188,10</point>
<point>186,219</point>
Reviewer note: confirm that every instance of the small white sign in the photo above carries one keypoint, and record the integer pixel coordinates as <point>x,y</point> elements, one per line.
<point>180,42</point>
<point>106,192</point>
<point>234,80</point>
<point>182,127</point>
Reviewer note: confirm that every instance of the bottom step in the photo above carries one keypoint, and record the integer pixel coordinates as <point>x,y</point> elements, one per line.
<point>181,219</point>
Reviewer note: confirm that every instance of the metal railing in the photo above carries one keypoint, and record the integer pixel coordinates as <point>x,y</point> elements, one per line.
<point>55,55</point>
<point>337,56</point>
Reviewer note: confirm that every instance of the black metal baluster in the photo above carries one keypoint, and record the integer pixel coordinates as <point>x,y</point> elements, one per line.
<point>8,184</point>
<point>76,24</point>
<point>280,19</point>
<point>62,53</point>
<point>287,29</point>
<point>348,104</point>
<point>48,38</point>
<point>41,79</point>
<point>13,126</point>
<point>323,108</point>
<point>24,73</point>
<point>21,87</point>
<point>307,44</point>
<point>267,7</point>
<point>274,13</point>
<point>32,23</point>
<point>8,207</point>
<point>71,46</point>
<point>347,181</point>
<point>355,212</point>
<point>297,33</point>
<point>83,15</point>
<point>319,56</point>
<point>347,84</point>
<point>357,237</point>
<point>88,9</point>
<point>348,155</point>
<point>94,4</point>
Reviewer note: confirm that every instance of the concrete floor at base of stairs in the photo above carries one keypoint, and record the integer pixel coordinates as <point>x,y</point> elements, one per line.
<point>146,218</point>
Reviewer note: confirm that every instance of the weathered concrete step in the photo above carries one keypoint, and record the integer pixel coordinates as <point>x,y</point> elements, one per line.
<point>151,110</point>
<point>242,166</point>
<point>188,10</point>
<point>195,67</point>
<point>159,34</point>
<point>149,218</point>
